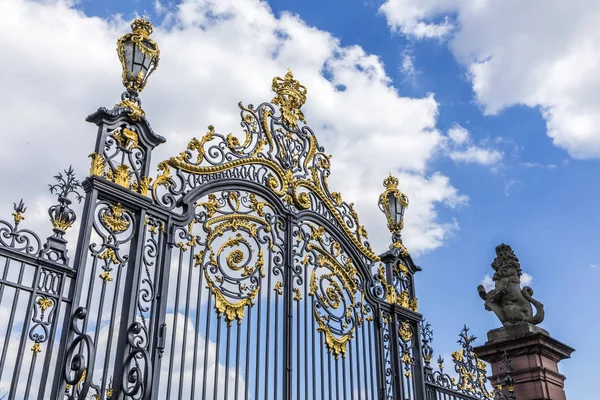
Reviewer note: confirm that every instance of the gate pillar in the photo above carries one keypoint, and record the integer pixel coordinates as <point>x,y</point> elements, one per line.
<point>534,358</point>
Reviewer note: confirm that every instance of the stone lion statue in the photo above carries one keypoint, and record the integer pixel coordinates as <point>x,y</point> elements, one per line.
<point>507,300</point>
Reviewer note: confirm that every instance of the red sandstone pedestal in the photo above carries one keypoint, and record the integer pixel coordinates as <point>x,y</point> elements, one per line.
<point>534,359</point>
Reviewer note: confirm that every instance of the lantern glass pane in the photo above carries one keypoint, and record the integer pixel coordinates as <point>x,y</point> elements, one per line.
<point>138,60</point>
<point>391,206</point>
<point>128,48</point>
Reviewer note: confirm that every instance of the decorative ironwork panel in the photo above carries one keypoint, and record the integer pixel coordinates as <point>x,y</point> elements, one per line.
<point>471,380</point>
<point>333,335</point>
<point>33,295</point>
<point>225,300</point>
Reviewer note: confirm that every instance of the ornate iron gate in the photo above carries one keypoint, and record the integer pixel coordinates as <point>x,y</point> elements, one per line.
<point>235,274</point>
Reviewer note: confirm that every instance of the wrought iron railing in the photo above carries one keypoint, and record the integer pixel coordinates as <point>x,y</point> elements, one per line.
<point>470,380</point>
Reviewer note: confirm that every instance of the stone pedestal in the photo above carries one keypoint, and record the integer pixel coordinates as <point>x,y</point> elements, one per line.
<point>534,359</point>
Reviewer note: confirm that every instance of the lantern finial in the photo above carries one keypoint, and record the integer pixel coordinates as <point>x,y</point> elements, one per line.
<point>393,203</point>
<point>141,26</point>
<point>139,55</point>
<point>391,182</point>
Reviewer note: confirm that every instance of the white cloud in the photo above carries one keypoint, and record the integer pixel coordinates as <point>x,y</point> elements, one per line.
<point>460,148</point>
<point>511,185</point>
<point>594,266</point>
<point>159,8</point>
<point>414,17</point>
<point>476,155</point>
<point>539,53</point>
<point>458,134</point>
<point>408,67</point>
<point>487,283</point>
<point>539,165</point>
<point>214,54</point>
<point>526,279</point>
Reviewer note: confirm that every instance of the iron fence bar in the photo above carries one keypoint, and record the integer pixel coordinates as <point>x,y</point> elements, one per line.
<point>207,330</point>
<point>237,361</point>
<point>162,287</point>
<point>248,341</point>
<point>196,336</point>
<point>13,386</point>
<point>111,330</point>
<point>287,305</point>
<point>10,324</point>
<point>276,366</point>
<point>217,357</point>
<point>50,347</point>
<point>185,323</point>
<point>258,341</point>
<point>268,331</point>
<point>227,357</point>
<point>175,317</point>
<point>128,308</point>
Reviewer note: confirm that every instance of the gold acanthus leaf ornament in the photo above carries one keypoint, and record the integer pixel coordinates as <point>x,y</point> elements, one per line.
<point>336,345</point>
<point>121,175</point>
<point>230,310</point>
<point>115,220</point>
<point>405,332</point>
<point>136,113</point>
<point>60,223</point>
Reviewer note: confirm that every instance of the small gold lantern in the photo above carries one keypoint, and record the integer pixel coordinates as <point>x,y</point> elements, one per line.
<point>393,203</point>
<point>139,55</point>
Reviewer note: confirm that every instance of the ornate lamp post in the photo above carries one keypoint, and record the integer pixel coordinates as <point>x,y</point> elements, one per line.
<point>139,57</point>
<point>393,203</point>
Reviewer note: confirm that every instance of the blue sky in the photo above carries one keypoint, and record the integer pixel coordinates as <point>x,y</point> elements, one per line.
<point>540,197</point>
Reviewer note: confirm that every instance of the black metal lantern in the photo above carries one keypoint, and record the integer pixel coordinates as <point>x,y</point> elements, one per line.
<point>139,55</point>
<point>393,203</point>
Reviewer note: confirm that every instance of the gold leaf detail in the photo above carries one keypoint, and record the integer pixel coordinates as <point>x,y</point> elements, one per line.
<point>230,310</point>
<point>105,276</point>
<point>98,165</point>
<point>36,348</point>
<point>115,220</point>
<point>62,224</point>
<point>278,288</point>
<point>45,303</point>
<point>136,113</point>
<point>126,138</point>
<point>405,332</point>
<point>109,254</point>
<point>120,175</point>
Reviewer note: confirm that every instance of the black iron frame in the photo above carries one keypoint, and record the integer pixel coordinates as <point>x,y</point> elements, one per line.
<point>130,238</point>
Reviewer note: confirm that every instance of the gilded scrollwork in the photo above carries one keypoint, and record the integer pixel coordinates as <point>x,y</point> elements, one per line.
<point>398,291</point>
<point>121,161</point>
<point>238,239</point>
<point>335,285</point>
<point>275,151</point>
<point>114,225</point>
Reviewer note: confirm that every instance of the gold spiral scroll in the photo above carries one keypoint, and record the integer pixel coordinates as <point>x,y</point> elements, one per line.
<point>233,260</point>
<point>335,288</point>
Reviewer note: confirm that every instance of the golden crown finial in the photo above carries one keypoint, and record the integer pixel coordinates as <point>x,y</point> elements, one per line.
<point>141,26</point>
<point>391,182</point>
<point>290,97</point>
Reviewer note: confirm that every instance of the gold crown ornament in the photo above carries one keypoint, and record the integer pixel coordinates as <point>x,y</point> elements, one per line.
<point>290,97</point>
